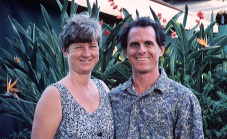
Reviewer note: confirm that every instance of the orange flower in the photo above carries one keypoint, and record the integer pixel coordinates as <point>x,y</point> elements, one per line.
<point>17,59</point>
<point>10,89</point>
<point>202,42</point>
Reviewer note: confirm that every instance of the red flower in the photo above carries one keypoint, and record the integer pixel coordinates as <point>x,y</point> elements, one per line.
<point>119,17</point>
<point>107,32</point>
<point>159,16</point>
<point>115,7</point>
<point>197,21</point>
<point>174,34</point>
<point>100,22</point>
<point>120,9</point>
<point>126,25</point>
<point>112,4</point>
<point>110,0</point>
<point>164,20</point>
<point>200,14</point>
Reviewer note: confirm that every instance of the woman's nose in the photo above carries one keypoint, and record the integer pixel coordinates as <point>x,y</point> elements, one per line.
<point>86,52</point>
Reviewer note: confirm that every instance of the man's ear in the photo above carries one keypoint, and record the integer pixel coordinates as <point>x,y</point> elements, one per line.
<point>162,50</point>
<point>125,51</point>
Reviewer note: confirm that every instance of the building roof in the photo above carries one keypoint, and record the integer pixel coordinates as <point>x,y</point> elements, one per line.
<point>158,6</point>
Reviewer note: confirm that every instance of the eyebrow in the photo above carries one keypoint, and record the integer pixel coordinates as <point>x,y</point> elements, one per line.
<point>134,42</point>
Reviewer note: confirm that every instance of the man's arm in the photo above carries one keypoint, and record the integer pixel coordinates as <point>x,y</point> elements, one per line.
<point>189,119</point>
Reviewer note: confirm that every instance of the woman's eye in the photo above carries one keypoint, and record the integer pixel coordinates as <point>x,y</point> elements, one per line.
<point>77,47</point>
<point>93,46</point>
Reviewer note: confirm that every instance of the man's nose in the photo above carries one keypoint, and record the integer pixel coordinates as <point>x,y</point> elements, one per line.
<point>142,49</point>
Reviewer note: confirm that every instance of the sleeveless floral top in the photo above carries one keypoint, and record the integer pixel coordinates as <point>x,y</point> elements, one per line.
<point>78,123</point>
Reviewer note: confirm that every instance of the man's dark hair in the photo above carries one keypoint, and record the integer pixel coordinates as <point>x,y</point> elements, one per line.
<point>143,22</point>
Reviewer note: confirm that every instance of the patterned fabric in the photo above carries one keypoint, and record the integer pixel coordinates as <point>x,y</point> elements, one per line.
<point>77,123</point>
<point>166,110</point>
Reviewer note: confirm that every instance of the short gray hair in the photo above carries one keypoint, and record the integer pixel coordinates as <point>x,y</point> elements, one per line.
<point>80,28</point>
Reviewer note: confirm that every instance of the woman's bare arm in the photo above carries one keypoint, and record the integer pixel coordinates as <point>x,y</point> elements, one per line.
<point>48,114</point>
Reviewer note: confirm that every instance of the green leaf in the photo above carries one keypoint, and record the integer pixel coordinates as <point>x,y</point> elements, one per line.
<point>111,69</point>
<point>46,18</point>
<point>194,54</point>
<point>185,15</point>
<point>191,31</point>
<point>72,8</point>
<point>19,40</point>
<point>184,41</point>
<point>22,30</point>
<point>221,42</point>
<point>210,27</point>
<point>154,15</point>
<point>125,12</point>
<point>137,14</point>
<point>173,62</point>
<point>64,15</point>
<point>89,7</point>
<point>169,24</point>
<point>191,67</point>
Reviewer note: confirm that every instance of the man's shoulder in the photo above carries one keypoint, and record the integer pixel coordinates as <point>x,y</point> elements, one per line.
<point>176,87</point>
<point>117,91</point>
<point>119,88</point>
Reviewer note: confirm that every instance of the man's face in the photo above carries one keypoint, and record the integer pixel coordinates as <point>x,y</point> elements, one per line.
<point>142,50</point>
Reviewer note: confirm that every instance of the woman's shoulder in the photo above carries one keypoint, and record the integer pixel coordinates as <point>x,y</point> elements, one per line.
<point>103,84</point>
<point>50,93</point>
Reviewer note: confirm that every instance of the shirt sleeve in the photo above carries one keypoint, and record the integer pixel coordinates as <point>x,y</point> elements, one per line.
<point>189,119</point>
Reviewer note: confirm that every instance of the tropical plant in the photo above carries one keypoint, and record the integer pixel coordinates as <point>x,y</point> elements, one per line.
<point>202,69</point>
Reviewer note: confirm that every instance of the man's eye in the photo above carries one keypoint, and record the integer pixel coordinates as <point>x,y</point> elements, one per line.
<point>149,43</point>
<point>134,45</point>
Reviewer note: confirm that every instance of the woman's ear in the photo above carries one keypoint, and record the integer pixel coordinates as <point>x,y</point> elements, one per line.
<point>64,51</point>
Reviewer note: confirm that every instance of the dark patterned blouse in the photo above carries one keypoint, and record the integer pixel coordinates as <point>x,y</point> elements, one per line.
<point>166,110</point>
<point>77,123</point>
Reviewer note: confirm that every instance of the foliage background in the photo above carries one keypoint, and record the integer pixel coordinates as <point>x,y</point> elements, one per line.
<point>203,70</point>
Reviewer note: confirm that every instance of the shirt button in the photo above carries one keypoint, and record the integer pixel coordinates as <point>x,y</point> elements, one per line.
<point>99,134</point>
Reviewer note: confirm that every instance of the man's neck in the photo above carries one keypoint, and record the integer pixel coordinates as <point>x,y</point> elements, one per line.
<point>143,82</point>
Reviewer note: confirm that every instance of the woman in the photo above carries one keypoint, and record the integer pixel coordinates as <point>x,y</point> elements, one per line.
<point>76,106</point>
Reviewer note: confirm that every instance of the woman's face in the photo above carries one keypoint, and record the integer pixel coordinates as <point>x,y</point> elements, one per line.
<point>82,57</point>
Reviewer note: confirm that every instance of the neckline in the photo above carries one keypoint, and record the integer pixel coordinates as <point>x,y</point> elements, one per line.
<point>100,98</point>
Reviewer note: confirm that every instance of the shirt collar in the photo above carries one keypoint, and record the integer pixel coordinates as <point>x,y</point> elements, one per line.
<point>159,86</point>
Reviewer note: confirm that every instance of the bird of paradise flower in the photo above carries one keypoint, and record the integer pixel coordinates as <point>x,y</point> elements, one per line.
<point>10,89</point>
<point>203,42</point>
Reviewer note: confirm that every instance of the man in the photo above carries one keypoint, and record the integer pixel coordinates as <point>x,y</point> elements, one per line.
<point>149,104</point>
